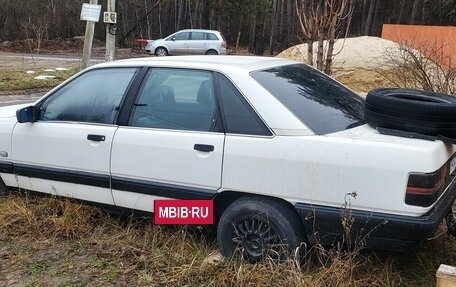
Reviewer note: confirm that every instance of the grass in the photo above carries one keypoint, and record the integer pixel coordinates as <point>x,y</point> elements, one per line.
<point>11,80</point>
<point>47,241</point>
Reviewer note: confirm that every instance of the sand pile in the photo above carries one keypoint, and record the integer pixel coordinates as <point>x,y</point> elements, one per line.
<point>359,52</point>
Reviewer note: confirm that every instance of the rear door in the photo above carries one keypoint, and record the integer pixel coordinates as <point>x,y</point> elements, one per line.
<point>67,151</point>
<point>198,43</point>
<point>171,145</point>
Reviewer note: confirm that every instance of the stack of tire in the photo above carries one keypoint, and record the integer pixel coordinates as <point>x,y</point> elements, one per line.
<point>414,111</point>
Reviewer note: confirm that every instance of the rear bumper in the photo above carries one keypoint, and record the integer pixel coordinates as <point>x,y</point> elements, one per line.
<point>374,230</point>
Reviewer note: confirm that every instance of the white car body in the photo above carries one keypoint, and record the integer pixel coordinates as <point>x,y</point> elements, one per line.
<point>208,41</point>
<point>293,163</point>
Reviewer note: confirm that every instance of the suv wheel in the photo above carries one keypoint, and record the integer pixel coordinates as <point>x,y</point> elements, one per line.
<point>211,52</point>
<point>255,228</point>
<point>161,51</point>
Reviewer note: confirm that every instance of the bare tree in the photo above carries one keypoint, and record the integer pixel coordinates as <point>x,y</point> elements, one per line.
<point>424,68</point>
<point>319,21</point>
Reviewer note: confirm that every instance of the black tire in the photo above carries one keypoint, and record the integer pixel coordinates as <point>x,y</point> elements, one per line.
<point>161,51</point>
<point>416,111</point>
<point>3,190</point>
<point>254,228</point>
<point>211,52</point>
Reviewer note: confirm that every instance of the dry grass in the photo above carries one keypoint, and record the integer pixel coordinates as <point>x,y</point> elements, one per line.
<point>54,242</point>
<point>19,80</point>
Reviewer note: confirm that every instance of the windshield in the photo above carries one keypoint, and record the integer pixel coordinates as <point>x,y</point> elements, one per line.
<point>320,102</point>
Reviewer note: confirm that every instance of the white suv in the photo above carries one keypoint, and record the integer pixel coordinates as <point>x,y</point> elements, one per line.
<point>274,143</point>
<point>186,42</point>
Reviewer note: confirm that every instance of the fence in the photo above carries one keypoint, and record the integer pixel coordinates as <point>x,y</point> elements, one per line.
<point>438,40</point>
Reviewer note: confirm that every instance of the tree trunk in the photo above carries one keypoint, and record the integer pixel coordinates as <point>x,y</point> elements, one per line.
<point>273,26</point>
<point>415,9</point>
<point>190,14</point>
<point>206,15</point>
<point>401,12</point>
<point>238,35</point>
<point>320,49</point>
<point>369,17</point>
<point>375,23</point>
<point>147,21</point>
<point>252,35</point>
<point>159,20</point>
<point>310,52</point>
<point>423,15</point>
<point>180,13</point>
<point>282,6</point>
<point>363,19</point>
<point>332,36</point>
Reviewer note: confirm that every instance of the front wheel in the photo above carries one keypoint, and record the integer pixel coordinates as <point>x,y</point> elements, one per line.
<point>255,228</point>
<point>161,51</point>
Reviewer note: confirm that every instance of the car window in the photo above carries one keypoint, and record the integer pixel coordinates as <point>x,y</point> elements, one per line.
<point>320,102</point>
<point>176,99</point>
<point>93,97</point>
<point>239,117</point>
<point>197,35</point>
<point>211,36</point>
<point>181,36</point>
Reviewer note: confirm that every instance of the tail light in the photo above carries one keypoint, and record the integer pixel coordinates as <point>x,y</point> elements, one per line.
<point>423,189</point>
<point>224,44</point>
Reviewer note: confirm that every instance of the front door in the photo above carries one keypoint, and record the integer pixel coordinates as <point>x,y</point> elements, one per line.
<point>178,44</point>
<point>67,151</point>
<point>172,146</point>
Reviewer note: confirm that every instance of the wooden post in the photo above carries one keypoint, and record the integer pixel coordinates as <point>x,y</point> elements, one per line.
<point>88,40</point>
<point>111,30</point>
<point>446,276</point>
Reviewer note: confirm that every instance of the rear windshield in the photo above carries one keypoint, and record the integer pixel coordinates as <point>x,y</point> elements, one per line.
<point>320,102</point>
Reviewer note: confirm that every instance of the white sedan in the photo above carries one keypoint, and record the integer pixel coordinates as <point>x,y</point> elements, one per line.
<point>278,147</point>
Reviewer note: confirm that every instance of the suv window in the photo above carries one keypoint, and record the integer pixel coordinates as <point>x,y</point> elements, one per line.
<point>180,36</point>
<point>239,117</point>
<point>93,97</point>
<point>211,36</point>
<point>197,36</point>
<point>320,102</point>
<point>176,99</point>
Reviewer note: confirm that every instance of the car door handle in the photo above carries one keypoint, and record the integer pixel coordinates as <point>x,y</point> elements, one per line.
<point>96,138</point>
<point>203,147</point>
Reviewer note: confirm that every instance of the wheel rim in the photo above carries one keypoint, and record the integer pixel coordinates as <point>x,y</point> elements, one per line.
<point>211,52</point>
<point>161,52</point>
<point>255,237</point>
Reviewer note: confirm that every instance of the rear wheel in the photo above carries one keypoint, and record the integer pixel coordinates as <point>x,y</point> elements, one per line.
<point>3,191</point>
<point>211,52</point>
<point>255,228</point>
<point>161,51</point>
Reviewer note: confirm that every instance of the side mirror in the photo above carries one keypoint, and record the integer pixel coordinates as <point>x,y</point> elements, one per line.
<point>26,115</point>
<point>173,39</point>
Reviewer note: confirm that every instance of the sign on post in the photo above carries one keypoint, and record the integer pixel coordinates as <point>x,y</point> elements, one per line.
<point>90,12</point>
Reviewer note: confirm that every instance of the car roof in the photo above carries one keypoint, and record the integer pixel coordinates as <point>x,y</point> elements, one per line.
<point>196,30</point>
<point>216,63</point>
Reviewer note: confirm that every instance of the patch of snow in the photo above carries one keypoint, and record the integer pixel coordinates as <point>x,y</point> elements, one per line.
<point>30,72</point>
<point>61,69</point>
<point>44,77</point>
<point>49,70</point>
